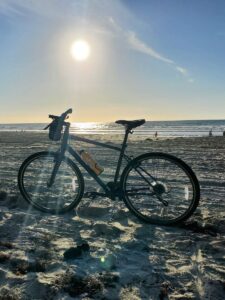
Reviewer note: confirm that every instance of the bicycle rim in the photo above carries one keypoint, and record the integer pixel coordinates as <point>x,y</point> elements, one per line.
<point>154,180</point>
<point>63,195</point>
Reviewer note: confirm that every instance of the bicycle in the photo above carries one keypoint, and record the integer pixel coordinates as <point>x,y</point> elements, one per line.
<point>156,187</point>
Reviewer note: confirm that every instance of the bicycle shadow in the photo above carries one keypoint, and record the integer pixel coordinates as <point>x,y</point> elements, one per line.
<point>126,258</point>
<point>122,251</point>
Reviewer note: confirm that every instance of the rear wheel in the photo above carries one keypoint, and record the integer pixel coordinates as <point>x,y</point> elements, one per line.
<point>160,188</point>
<point>63,195</point>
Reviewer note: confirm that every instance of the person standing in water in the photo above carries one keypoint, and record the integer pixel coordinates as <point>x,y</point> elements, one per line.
<point>210,132</point>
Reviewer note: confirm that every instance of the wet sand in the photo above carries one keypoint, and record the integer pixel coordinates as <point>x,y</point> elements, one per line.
<point>126,259</point>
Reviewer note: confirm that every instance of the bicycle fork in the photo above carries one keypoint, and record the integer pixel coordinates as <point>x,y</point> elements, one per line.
<point>59,157</point>
<point>57,163</point>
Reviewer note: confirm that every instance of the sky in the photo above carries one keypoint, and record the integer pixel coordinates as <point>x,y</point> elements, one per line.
<point>152,59</point>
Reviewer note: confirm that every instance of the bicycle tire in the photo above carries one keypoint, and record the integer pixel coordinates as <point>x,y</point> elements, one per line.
<point>32,178</point>
<point>166,187</point>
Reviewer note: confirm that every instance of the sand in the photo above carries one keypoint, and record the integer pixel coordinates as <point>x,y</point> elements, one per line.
<point>126,259</point>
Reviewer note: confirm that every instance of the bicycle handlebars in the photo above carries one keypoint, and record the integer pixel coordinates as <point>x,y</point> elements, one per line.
<point>63,115</point>
<point>60,118</point>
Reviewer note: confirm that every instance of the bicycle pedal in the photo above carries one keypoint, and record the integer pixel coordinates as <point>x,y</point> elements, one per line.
<point>89,195</point>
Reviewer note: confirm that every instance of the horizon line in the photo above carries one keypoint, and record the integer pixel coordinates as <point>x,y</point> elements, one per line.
<point>179,120</point>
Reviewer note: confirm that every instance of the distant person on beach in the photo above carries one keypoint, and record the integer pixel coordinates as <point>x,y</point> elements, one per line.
<point>210,132</point>
<point>156,134</point>
<point>224,133</point>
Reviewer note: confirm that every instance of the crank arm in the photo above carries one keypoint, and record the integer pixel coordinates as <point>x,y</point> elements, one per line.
<point>93,195</point>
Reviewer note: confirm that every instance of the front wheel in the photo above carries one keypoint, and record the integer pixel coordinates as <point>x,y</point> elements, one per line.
<point>63,194</point>
<point>160,188</point>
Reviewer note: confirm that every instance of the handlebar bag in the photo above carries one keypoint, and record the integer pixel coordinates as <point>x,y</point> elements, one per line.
<point>55,130</point>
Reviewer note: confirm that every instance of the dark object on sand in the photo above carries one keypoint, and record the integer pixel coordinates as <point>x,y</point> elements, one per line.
<point>21,267</point>
<point>8,245</point>
<point>4,257</point>
<point>75,252</point>
<point>156,187</point>
<point>76,285</point>
<point>3,195</point>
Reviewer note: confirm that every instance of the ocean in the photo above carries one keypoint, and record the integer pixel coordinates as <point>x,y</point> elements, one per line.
<point>196,128</point>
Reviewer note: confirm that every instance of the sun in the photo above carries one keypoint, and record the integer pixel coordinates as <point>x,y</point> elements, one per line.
<point>80,50</point>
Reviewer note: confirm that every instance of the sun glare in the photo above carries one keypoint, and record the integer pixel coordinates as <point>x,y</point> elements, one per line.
<point>80,50</point>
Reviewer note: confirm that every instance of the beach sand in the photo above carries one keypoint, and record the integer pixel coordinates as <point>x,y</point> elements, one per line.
<point>127,259</point>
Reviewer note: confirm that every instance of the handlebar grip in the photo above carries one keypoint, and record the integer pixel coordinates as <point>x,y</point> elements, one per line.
<point>63,115</point>
<point>69,111</point>
<point>52,116</point>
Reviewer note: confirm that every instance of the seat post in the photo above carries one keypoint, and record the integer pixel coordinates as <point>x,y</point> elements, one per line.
<point>124,144</point>
<point>127,131</point>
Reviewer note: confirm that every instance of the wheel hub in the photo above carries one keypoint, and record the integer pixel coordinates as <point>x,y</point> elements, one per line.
<point>160,188</point>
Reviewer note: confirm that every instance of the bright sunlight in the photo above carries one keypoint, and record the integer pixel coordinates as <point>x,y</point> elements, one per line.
<point>80,50</point>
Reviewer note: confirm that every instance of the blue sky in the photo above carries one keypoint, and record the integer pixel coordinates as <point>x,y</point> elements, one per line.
<point>159,60</point>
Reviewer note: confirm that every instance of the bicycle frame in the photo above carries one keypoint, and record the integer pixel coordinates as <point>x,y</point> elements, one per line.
<point>65,147</point>
<point>111,189</point>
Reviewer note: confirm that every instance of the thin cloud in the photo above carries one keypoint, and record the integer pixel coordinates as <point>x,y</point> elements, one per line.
<point>6,8</point>
<point>56,9</point>
<point>140,46</point>
<point>20,7</point>
<point>183,71</point>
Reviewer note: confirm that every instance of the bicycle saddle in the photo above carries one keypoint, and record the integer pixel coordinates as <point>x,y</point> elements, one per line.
<point>131,124</point>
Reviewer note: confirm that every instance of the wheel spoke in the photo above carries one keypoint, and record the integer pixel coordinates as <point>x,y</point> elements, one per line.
<point>170,193</point>
<point>63,194</point>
